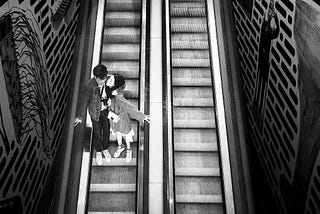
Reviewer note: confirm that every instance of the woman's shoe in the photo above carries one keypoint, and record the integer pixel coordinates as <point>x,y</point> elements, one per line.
<point>118,152</point>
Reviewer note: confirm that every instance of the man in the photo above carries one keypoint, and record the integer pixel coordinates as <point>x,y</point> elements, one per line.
<point>95,97</point>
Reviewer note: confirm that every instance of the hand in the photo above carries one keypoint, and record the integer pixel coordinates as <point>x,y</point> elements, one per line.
<point>114,93</point>
<point>77,120</point>
<point>109,102</point>
<point>147,118</point>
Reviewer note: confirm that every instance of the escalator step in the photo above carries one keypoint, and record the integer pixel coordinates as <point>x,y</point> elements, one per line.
<point>188,9</point>
<point>186,54</point>
<point>111,212</point>
<point>116,162</point>
<point>192,96</point>
<point>124,19</point>
<point>198,63</point>
<point>195,58</point>
<point>119,187</point>
<point>120,52</point>
<point>121,35</point>
<point>188,25</point>
<point>112,175</point>
<point>191,77</point>
<point>196,160</point>
<point>187,0</point>
<point>189,41</point>
<point>183,208</point>
<point>191,185</point>
<point>197,172</point>
<point>128,69</point>
<point>197,147</point>
<point>199,198</point>
<point>111,202</point>
<point>123,5</point>
<point>193,117</point>
<point>132,89</point>
<point>196,136</point>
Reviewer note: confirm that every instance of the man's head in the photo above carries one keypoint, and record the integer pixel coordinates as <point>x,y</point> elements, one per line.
<point>100,72</point>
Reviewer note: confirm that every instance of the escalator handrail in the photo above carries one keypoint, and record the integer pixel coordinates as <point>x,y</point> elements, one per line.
<point>86,163</point>
<point>143,139</point>
<point>168,172</point>
<point>220,109</point>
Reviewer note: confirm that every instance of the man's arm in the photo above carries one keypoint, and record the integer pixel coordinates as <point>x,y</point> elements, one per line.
<point>84,99</point>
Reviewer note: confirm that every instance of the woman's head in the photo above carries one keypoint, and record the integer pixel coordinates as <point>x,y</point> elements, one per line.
<point>119,84</point>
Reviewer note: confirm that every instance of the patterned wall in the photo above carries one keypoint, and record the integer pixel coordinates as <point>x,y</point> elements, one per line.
<point>281,82</point>
<point>35,69</point>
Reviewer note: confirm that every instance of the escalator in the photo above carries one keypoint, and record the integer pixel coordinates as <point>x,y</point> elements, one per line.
<point>113,185</point>
<point>197,180</point>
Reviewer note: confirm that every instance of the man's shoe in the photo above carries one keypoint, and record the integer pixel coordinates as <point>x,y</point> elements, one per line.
<point>107,155</point>
<point>118,152</point>
<point>129,155</point>
<point>99,158</point>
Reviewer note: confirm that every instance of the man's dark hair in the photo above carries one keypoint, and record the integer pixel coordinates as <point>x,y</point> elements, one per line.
<point>100,71</point>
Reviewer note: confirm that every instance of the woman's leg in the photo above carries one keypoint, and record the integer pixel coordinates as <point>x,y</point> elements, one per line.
<point>120,148</point>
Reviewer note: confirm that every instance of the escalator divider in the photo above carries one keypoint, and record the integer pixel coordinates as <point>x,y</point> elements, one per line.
<point>168,154</point>
<point>220,111</point>
<point>143,135</point>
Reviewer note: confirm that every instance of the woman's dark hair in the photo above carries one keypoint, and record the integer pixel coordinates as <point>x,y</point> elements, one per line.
<point>119,83</point>
<point>100,71</point>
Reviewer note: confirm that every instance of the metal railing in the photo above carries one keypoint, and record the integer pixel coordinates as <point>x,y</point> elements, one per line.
<point>219,110</point>
<point>143,139</point>
<point>86,161</point>
<point>168,173</point>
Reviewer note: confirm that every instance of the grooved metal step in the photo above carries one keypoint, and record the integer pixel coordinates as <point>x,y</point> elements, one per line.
<point>196,136</point>
<point>198,185</point>
<point>124,19</point>
<point>206,172</point>
<point>120,52</point>
<point>123,5</point>
<point>111,212</point>
<point>197,147</point>
<point>111,201</point>
<point>121,35</point>
<point>115,162</point>
<point>189,41</point>
<point>192,96</point>
<point>193,117</point>
<point>183,208</point>
<point>191,77</point>
<point>199,198</point>
<point>190,25</point>
<point>196,160</point>
<point>190,9</point>
<point>113,187</point>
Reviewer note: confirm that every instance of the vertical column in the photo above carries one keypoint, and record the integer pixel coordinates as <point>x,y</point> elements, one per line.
<point>156,142</point>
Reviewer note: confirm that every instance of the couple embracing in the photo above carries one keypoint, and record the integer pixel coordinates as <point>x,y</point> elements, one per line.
<point>103,97</point>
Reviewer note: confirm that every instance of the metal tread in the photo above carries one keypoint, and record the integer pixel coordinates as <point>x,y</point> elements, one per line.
<point>115,162</point>
<point>181,198</point>
<point>92,212</point>
<point>196,147</point>
<point>199,172</point>
<point>116,187</point>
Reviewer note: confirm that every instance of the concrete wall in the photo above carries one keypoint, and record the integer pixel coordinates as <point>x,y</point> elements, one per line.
<point>281,83</point>
<point>36,63</point>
